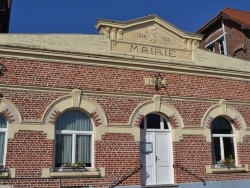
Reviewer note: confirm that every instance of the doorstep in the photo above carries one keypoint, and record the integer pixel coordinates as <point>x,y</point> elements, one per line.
<point>160,186</point>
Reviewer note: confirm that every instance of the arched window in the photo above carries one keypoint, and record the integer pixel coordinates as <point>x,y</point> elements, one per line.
<point>74,132</point>
<point>223,141</point>
<point>153,121</point>
<point>3,139</point>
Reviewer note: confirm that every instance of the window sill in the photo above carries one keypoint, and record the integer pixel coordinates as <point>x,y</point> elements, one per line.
<point>221,170</point>
<point>86,173</point>
<point>4,175</point>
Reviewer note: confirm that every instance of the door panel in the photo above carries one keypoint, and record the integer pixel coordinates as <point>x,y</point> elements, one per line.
<point>148,160</point>
<point>157,165</point>
<point>163,163</point>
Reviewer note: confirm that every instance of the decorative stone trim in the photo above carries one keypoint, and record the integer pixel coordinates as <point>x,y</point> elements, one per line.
<point>222,109</point>
<point>157,102</point>
<point>173,121</point>
<point>4,175</point>
<point>236,123</point>
<point>76,97</point>
<point>239,168</point>
<point>75,174</point>
<point>163,108</point>
<point>86,173</point>
<point>10,112</point>
<point>54,116</point>
<point>8,115</point>
<point>138,120</point>
<point>96,119</point>
<point>209,122</point>
<point>79,102</point>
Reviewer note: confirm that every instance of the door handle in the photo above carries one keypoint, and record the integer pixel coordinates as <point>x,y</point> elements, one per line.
<point>157,158</point>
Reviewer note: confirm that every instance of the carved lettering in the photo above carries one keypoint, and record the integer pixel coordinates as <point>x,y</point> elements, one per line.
<point>152,50</point>
<point>171,53</point>
<point>133,48</point>
<point>141,35</point>
<point>158,51</point>
<point>144,49</point>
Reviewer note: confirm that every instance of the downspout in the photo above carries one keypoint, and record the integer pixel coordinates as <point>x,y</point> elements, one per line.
<point>224,35</point>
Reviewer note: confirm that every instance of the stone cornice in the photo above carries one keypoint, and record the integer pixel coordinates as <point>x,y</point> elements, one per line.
<point>123,61</point>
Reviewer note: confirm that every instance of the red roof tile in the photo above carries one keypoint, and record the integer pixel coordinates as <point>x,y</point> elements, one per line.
<point>238,16</point>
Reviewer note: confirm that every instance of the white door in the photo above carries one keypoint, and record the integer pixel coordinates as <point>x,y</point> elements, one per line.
<point>156,158</point>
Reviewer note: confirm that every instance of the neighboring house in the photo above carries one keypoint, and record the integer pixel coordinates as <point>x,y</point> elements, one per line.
<point>140,94</point>
<point>4,15</point>
<point>228,34</point>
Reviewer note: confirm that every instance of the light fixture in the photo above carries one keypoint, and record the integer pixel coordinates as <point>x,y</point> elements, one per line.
<point>158,82</point>
<point>2,68</point>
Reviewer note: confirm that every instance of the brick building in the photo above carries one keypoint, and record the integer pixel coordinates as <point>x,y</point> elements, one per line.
<point>138,104</point>
<point>228,33</point>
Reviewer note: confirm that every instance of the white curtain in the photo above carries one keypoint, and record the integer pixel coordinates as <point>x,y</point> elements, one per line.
<point>83,149</point>
<point>2,144</point>
<point>3,125</point>
<point>76,121</point>
<point>63,149</point>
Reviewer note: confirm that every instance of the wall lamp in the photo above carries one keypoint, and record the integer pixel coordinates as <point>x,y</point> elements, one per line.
<point>2,68</point>
<point>159,82</point>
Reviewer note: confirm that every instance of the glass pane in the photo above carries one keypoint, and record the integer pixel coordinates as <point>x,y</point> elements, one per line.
<point>153,121</point>
<point>216,150</point>
<point>2,144</point>
<point>221,126</point>
<point>74,120</point>
<point>228,147</point>
<point>3,123</point>
<point>165,124</point>
<point>63,149</point>
<point>83,149</point>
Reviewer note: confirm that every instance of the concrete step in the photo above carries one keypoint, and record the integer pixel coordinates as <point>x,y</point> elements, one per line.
<point>160,186</point>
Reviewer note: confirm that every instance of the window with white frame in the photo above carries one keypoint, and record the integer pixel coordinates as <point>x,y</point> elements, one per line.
<point>221,46</point>
<point>3,139</point>
<point>154,121</point>
<point>74,139</point>
<point>223,141</point>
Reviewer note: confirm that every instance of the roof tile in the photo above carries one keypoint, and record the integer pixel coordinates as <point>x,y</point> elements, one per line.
<point>238,16</point>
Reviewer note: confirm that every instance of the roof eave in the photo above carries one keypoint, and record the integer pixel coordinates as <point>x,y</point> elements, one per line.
<point>209,24</point>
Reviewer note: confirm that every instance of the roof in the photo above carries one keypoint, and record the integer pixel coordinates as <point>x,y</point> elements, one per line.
<point>153,17</point>
<point>238,16</point>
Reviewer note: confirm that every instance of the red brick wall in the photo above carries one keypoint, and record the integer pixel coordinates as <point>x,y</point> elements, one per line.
<point>236,37</point>
<point>193,152</point>
<point>30,151</point>
<point>71,76</point>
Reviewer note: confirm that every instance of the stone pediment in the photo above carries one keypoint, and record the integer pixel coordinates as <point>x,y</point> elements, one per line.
<point>149,36</point>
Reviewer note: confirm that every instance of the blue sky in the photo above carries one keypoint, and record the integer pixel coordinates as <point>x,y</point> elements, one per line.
<point>80,16</point>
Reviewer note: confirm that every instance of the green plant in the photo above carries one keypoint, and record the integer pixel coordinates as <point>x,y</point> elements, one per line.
<point>229,162</point>
<point>74,166</point>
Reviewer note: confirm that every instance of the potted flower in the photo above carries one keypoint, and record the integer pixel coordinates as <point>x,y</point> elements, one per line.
<point>228,162</point>
<point>74,166</point>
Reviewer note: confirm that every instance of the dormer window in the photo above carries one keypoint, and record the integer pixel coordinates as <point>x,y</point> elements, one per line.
<point>221,46</point>
<point>217,45</point>
<point>211,48</point>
